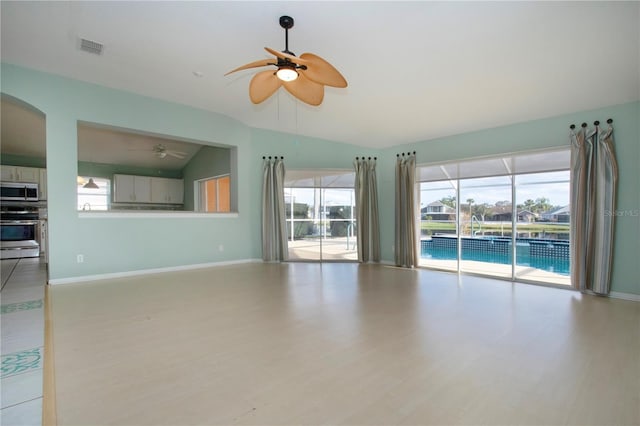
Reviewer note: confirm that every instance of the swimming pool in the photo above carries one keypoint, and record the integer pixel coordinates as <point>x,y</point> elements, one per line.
<point>558,263</point>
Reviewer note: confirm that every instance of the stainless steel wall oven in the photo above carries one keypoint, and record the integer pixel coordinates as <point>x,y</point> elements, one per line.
<point>19,229</point>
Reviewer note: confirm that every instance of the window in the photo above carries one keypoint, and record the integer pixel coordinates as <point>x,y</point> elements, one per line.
<point>90,198</point>
<point>504,217</point>
<point>214,194</point>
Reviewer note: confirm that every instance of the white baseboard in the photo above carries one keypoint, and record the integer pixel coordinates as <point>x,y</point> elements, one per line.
<point>126,274</point>
<point>625,296</point>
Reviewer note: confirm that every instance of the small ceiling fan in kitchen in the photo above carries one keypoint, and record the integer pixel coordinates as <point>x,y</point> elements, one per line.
<point>303,76</point>
<point>161,151</point>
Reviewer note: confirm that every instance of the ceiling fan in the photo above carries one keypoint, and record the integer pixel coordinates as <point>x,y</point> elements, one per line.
<point>160,151</point>
<point>304,76</point>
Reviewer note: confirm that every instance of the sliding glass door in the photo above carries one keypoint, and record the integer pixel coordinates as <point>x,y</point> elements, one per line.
<point>542,253</point>
<point>320,206</point>
<point>302,206</point>
<point>438,225</point>
<point>485,225</point>
<point>504,217</point>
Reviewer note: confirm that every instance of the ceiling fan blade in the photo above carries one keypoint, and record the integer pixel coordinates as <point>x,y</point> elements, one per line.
<point>306,90</point>
<point>283,55</point>
<point>255,64</point>
<point>263,85</point>
<point>179,155</point>
<point>321,71</point>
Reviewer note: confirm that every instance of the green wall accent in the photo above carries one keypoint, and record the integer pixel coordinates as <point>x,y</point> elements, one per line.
<point>119,244</point>
<point>208,162</point>
<point>108,170</point>
<point>23,161</point>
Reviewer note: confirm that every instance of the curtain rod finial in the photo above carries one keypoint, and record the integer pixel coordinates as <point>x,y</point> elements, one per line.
<point>584,124</point>
<point>596,123</point>
<point>609,121</point>
<point>573,126</point>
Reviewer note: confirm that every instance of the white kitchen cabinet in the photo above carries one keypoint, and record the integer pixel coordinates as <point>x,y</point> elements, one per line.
<point>42,187</point>
<point>131,189</point>
<point>20,174</point>
<point>7,173</point>
<point>176,191</point>
<point>167,191</point>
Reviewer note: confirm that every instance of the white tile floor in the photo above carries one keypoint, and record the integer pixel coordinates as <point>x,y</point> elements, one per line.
<point>22,298</point>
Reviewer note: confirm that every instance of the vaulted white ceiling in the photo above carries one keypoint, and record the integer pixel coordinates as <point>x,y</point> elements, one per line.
<point>416,70</point>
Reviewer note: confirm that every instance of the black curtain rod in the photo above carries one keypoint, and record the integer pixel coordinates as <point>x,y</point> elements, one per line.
<point>363,157</point>
<point>408,153</point>
<point>275,157</point>
<point>595,123</point>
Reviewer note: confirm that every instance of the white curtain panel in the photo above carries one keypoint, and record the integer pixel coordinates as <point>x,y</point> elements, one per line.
<point>274,231</point>
<point>594,175</point>
<point>406,252</point>
<point>367,215</point>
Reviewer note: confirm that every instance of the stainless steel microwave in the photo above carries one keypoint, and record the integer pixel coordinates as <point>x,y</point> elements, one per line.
<point>15,191</point>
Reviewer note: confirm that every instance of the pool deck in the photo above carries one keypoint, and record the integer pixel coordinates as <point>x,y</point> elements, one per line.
<point>498,270</point>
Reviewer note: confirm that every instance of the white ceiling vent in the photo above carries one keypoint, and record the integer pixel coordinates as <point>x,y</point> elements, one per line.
<point>91,46</point>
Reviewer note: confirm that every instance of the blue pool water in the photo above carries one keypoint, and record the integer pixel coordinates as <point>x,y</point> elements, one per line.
<point>523,257</point>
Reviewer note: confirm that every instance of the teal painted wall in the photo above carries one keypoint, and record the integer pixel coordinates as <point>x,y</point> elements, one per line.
<point>119,244</point>
<point>108,170</point>
<point>532,135</point>
<point>208,162</point>
<point>23,161</point>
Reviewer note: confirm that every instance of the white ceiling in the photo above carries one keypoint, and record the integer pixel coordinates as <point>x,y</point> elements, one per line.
<point>416,70</point>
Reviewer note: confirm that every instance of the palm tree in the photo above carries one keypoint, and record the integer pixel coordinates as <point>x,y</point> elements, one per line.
<point>470,201</point>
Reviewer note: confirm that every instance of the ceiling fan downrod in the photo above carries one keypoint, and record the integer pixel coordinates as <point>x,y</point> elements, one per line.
<point>286,22</point>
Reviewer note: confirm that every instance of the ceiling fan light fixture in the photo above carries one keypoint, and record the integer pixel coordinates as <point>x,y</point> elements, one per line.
<point>287,73</point>
<point>91,184</point>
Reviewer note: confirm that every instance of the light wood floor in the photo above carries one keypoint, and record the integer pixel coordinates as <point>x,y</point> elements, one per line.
<point>272,344</point>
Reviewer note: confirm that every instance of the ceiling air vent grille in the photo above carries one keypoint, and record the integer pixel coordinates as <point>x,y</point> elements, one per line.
<point>91,46</point>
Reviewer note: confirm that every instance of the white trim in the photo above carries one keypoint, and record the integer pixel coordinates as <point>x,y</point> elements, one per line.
<point>147,214</point>
<point>625,296</point>
<point>126,274</point>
